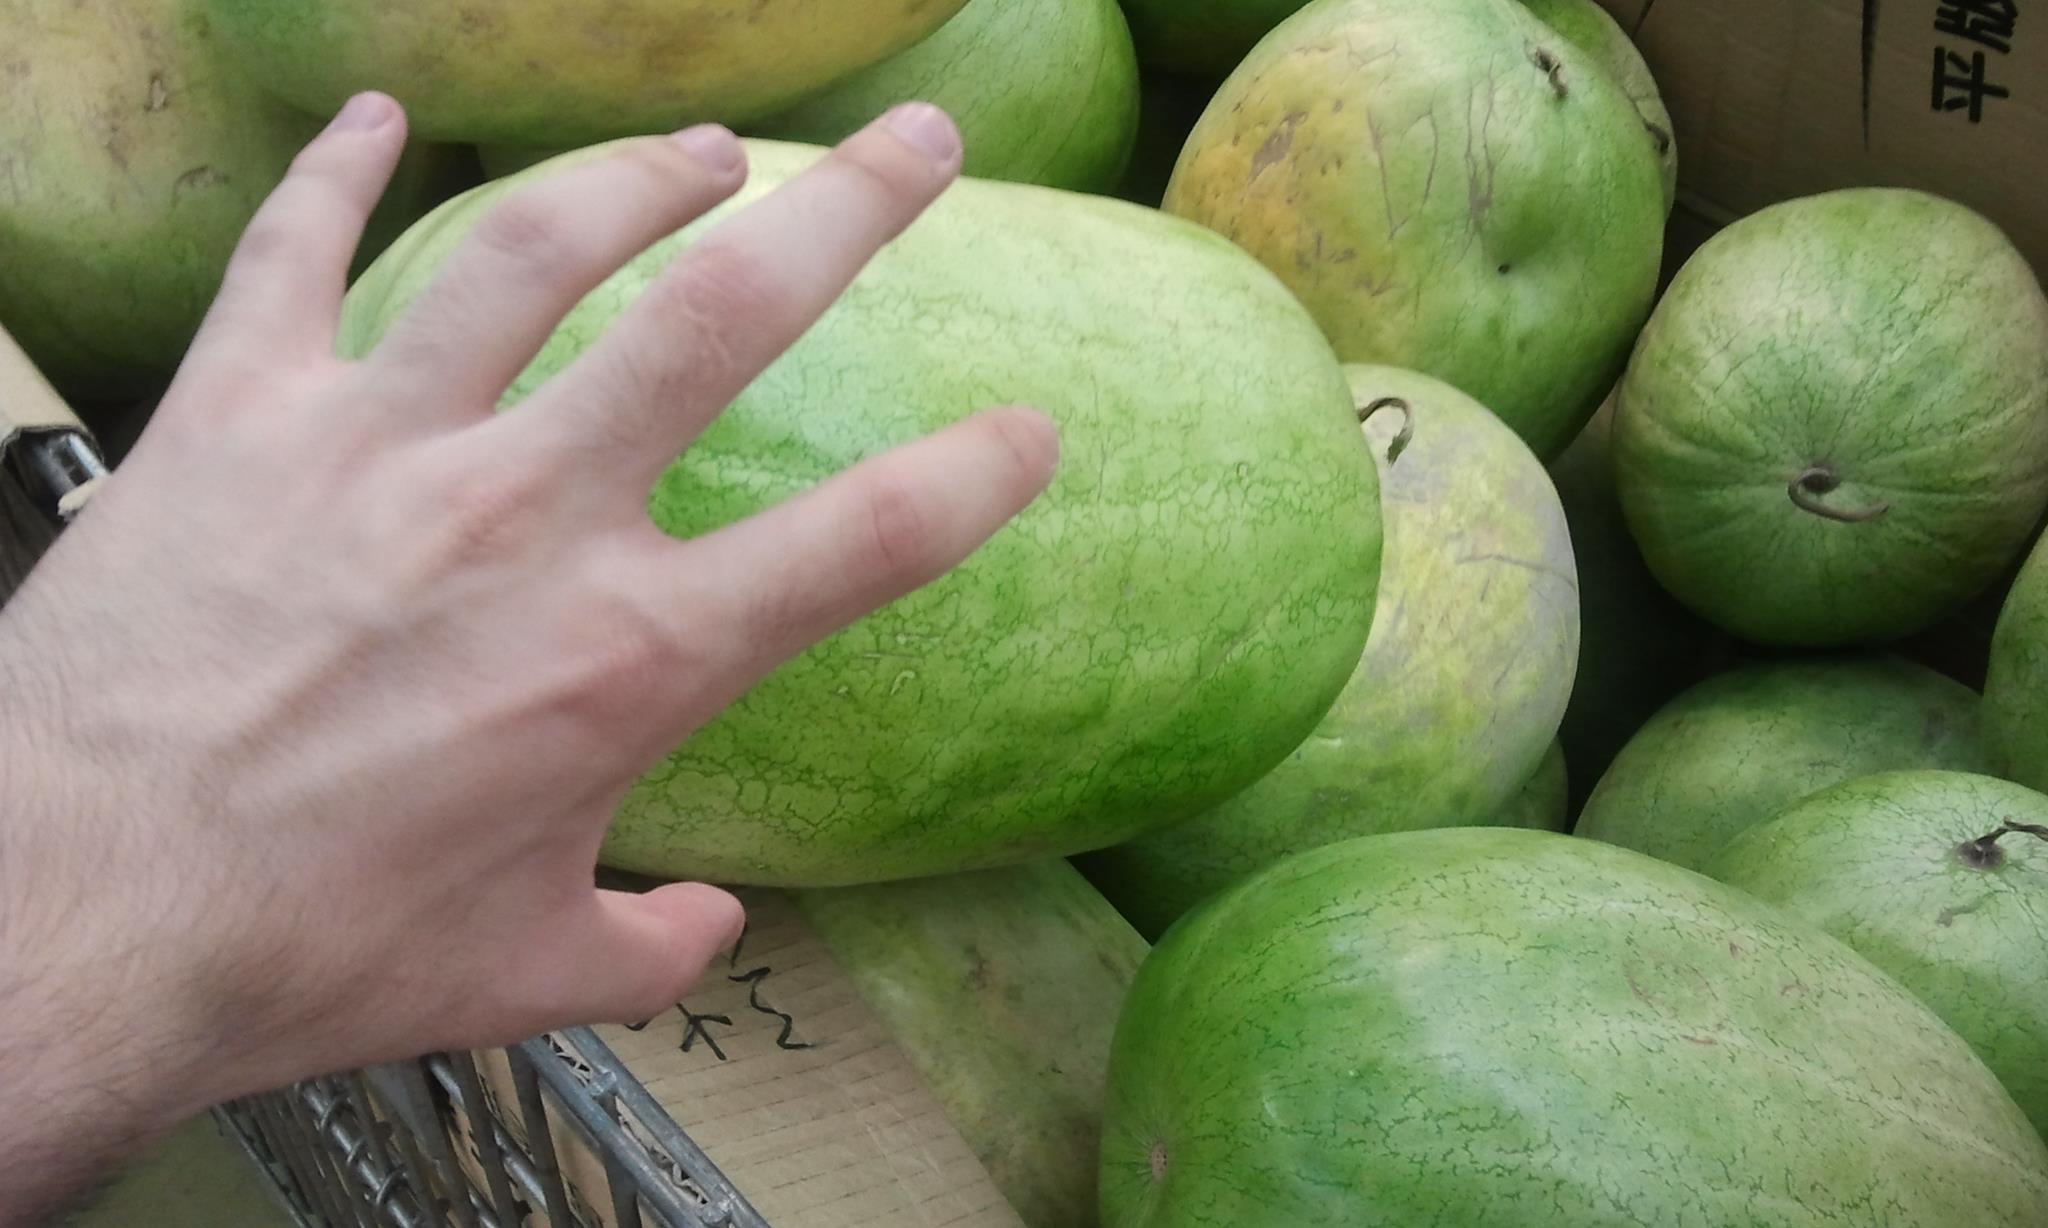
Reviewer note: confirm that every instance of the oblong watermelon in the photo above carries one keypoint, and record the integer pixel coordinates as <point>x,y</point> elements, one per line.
<point>1497,1028</point>
<point>1156,632</point>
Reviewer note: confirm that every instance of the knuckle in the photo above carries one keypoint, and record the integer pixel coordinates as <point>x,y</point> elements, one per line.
<point>627,658</point>
<point>726,284</point>
<point>529,232</point>
<point>267,239</point>
<point>901,181</point>
<point>477,507</point>
<point>901,536</point>
<point>719,296</point>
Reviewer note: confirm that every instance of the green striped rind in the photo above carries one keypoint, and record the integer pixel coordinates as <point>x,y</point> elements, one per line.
<point>1875,863</point>
<point>1462,683</point>
<point>1043,91</point>
<point>1151,636</point>
<point>1492,1028</point>
<point>1739,748</point>
<point>1897,338</point>
<point>1003,987</point>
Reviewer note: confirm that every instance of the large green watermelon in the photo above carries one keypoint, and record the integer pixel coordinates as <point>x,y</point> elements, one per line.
<point>1834,428</point>
<point>1493,1028</point>
<point>1157,631</point>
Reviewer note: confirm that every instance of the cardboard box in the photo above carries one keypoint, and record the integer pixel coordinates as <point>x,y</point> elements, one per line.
<point>1773,99</point>
<point>778,1068</point>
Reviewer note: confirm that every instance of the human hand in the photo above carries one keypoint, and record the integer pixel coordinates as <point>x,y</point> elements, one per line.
<point>311,726</point>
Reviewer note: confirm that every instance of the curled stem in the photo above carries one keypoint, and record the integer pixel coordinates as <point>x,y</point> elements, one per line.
<point>1404,436</point>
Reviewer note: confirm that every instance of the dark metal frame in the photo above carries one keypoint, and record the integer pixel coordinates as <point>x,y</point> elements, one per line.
<point>427,1144</point>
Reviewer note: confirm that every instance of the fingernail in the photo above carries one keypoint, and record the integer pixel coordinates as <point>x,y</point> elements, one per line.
<point>362,113</point>
<point>713,146</point>
<point>924,128</point>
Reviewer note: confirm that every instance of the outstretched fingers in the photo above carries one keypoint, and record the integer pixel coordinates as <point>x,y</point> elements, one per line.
<point>738,297</point>
<point>536,253</point>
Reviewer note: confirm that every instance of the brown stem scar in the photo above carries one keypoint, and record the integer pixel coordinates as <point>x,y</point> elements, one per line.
<point>1547,60</point>
<point>1983,853</point>
<point>1809,484</point>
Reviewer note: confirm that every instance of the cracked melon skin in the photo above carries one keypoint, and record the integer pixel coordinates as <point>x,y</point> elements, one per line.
<point>1741,747</point>
<point>1464,677</point>
<point>1157,631</point>
<point>1834,430</point>
<point>1452,187</point>
<point>564,73</point>
<point>1895,866</point>
<point>1492,1028</point>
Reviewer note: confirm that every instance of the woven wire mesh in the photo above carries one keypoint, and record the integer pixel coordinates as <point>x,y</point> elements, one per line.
<point>551,1133</point>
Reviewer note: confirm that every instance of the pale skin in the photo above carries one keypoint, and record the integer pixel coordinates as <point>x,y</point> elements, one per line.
<point>311,725</point>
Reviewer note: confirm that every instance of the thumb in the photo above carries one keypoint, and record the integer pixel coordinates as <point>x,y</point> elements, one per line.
<point>651,948</point>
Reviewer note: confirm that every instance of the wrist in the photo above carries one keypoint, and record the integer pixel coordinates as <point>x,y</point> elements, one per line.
<point>105,1043</point>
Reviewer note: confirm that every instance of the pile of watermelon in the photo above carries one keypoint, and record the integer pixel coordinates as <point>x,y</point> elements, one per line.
<point>1500,721</point>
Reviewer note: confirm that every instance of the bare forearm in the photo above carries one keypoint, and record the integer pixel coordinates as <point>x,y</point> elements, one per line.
<point>79,1098</point>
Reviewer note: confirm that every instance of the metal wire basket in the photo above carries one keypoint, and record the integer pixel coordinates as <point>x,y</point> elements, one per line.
<point>442,1143</point>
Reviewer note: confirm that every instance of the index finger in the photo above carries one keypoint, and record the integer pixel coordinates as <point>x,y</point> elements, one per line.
<point>731,303</point>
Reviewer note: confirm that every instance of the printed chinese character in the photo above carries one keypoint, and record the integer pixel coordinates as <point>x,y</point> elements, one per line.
<point>1960,83</point>
<point>1989,22</point>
